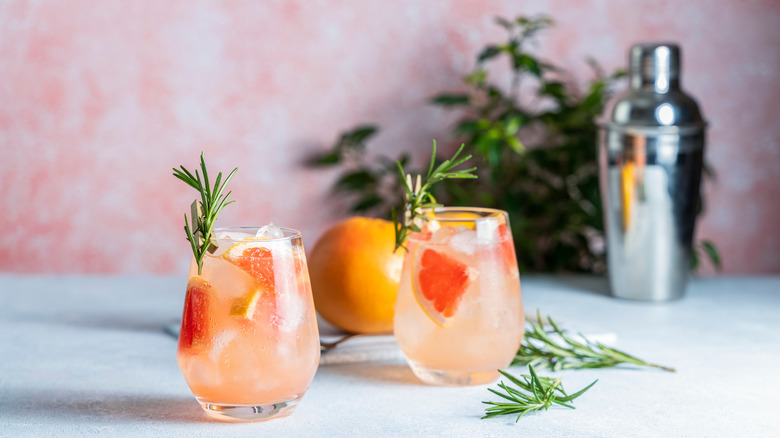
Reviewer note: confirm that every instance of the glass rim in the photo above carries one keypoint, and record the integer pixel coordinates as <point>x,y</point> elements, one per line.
<point>288,234</point>
<point>488,213</point>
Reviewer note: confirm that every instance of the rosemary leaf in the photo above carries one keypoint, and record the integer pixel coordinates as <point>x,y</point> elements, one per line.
<point>211,202</point>
<point>532,393</point>
<point>552,348</point>
<point>418,192</point>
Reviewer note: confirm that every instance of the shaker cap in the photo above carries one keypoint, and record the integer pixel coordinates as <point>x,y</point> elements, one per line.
<point>655,66</point>
<point>654,98</point>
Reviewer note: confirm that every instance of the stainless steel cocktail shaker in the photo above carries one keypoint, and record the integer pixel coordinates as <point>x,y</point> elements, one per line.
<point>651,146</point>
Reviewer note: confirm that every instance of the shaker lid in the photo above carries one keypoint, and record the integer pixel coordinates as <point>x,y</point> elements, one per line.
<point>654,98</point>
<point>654,66</point>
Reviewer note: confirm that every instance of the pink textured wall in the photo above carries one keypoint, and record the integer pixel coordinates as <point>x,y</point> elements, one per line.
<point>99,99</point>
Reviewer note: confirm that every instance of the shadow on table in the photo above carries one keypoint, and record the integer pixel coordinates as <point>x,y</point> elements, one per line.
<point>397,373</point>
<point>94,406</point>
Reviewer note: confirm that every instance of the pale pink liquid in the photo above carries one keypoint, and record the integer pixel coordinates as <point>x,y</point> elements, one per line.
<point>267,356</point>
<point>487,329</point>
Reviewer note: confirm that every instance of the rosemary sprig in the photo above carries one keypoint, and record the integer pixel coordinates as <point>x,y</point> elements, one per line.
<point>533,393</point>
<point>204,212</point>
<point>418,195</point>
<point>541,350</point>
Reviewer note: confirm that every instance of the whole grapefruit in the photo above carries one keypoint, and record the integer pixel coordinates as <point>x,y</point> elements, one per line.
<point>355,274</point>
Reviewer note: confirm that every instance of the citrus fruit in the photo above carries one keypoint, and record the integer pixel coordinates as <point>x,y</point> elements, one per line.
<point>257,261</point>
<point>194,321</point>
<point>507,247</point>
<point>439,282</point>
<point>245,306</point>
<point>449,215</point>
<point>355,274</point>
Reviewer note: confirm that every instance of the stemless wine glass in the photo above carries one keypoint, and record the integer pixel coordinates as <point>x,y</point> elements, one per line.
<point>459,314</point>
<point>249,343</point>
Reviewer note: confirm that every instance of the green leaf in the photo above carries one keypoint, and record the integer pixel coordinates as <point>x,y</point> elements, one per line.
<point>205,211</point>
<point>449,100</point>
<point>512,125</point>
<point>326,159</point>
<point>503,22</point>
<point>694,265</point>
<point>531,394</point>
<point>356,180</point>
<point>523,61</point>
<point>593,101</point>
<point>488,53</point>
<point>556,350</point>
<point>359,135</point>
<point>367,203</point>
<point>515,144</point>
<point>556,90</point>
<point>712,254</point>
<point>467,127</point>
<point>476,78</point>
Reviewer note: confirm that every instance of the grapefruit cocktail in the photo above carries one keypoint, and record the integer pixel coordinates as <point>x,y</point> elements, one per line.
<point>249,344</point>
<point>459,314</point>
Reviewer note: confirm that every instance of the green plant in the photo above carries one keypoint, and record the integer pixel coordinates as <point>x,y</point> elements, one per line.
<point>552,348</point>
<point>372,185</point>
<point>204,212</point>
<point>417,193</point>
<point>547,182</point>
<point>532,393</point>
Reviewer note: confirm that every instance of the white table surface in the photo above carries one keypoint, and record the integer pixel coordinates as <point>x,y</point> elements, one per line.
<point>84,356</point>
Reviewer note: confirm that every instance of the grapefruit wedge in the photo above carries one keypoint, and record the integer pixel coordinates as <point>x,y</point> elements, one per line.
<point>255,259</point>
<point>195,320</point>
<point>507,247</point>
<point>261,301</point>
<point>439,282</point>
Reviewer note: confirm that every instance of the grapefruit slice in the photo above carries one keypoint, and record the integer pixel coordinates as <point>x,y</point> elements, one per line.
<point>507,247</point>
<point>194,322</point>
<point>439,282</point>
<point>260,302</point>
<point>255,259</point>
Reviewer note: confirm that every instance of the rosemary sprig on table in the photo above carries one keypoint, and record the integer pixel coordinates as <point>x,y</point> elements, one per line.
<point>205,212</point>
<point>562,352</point>
<point>533,393</point>
<point>418,194</point>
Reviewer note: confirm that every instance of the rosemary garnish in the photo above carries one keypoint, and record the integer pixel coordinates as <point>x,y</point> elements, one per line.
<point>418,195</point>
<point>541,350</point>
<point>533,393</point>
<point>205,212</point>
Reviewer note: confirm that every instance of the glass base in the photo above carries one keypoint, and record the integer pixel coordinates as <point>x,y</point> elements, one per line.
<point>453,377</point>
<point>259,412</point>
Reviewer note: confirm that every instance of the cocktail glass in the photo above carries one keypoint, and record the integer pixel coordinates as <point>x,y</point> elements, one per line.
<point>459,314</point>
<point>249,344</point>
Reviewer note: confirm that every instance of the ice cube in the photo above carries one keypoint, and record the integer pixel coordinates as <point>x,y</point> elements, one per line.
<point>487,231</point>
<point>219,342</point>
<point>203,371</point>
<point>232,235</point>
<point>289,301</point>
<point>443,234</point>
<point>464,241</point>
<point>270,232</point>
